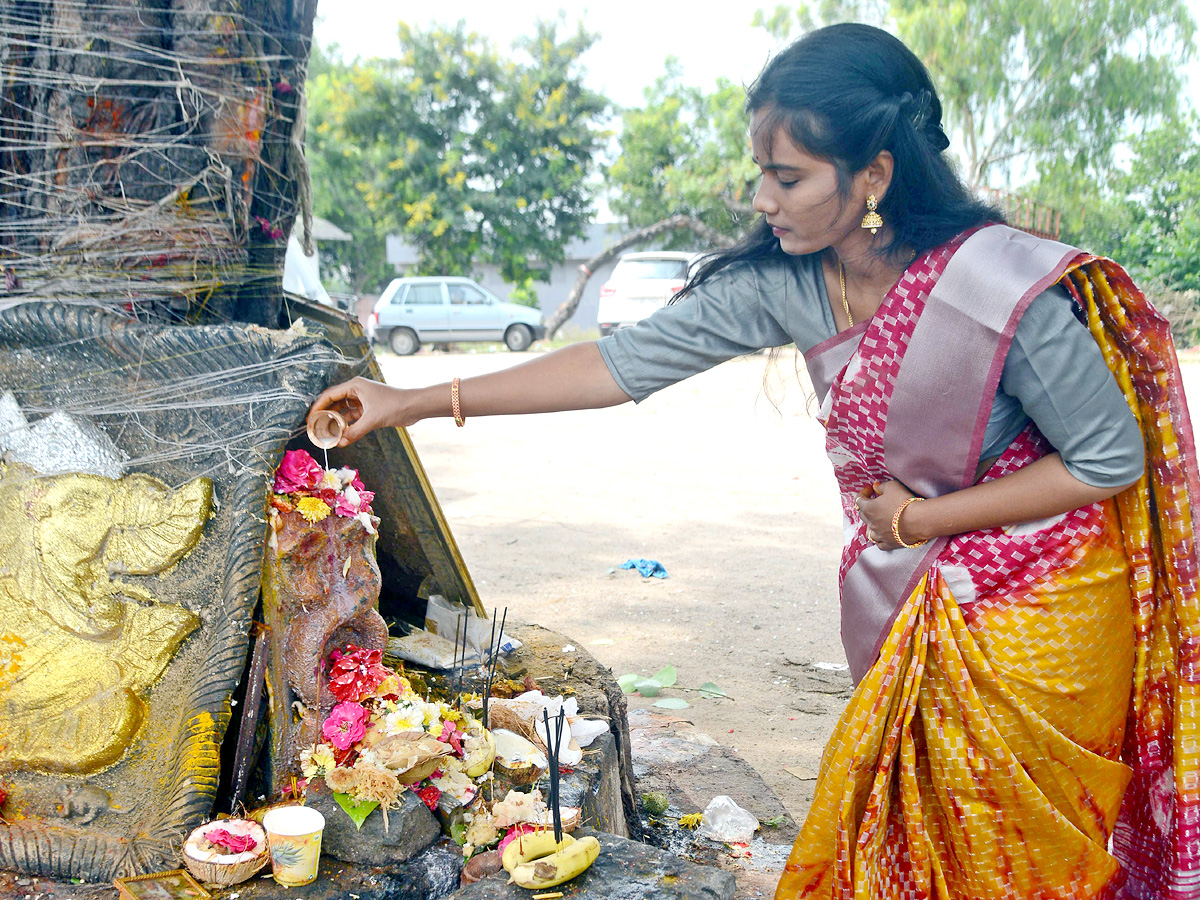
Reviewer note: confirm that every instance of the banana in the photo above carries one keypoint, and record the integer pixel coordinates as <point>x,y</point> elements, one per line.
<point>561,866</point>
<point>480,758</point>
<point>532,846</point>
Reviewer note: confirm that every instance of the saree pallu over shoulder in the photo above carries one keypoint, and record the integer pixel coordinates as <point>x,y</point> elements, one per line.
<point>992,735</point>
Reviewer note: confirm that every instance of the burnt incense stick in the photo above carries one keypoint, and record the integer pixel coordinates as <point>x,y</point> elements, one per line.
<point>493,658</point>
<point>553,746</point>
<point>490,670</point>
<point>455,671</point>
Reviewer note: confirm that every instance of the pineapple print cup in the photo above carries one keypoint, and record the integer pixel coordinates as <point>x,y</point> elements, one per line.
<point>294,835</point>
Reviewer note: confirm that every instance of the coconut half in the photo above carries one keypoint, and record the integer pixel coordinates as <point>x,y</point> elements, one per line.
<point>517,758</point>
<point>197,847</point>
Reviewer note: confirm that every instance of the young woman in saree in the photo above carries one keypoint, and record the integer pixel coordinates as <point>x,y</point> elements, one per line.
<point>1006,424</point>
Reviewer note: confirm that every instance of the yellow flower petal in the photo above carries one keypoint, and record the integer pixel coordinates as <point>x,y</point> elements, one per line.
<point>314,509</point>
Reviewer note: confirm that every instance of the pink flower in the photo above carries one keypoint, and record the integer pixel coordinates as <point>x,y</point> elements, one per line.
<point>452,736</point>
<point>355,675</point>
<point>351,502</point>
<point>234,843</point>
<point>513,833</point>
<point>297,472</point>
<point>346,725</point>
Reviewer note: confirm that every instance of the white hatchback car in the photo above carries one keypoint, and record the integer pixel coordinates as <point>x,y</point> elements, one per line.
<point>444,310</point>
<point>641,283</point>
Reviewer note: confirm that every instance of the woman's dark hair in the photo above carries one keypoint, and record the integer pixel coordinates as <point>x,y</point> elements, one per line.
<point>843,94</point>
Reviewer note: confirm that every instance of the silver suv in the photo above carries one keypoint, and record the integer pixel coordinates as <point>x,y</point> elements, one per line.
<point>640,284</point>
<point>444,310</point>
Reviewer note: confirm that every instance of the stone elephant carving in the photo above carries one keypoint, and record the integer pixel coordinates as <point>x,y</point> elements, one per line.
<point>78,646</point>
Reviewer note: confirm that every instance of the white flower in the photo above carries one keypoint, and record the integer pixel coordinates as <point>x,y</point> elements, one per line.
<point>406,717</point>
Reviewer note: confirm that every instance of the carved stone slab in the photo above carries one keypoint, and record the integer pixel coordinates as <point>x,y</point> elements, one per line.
<point>125,601</point>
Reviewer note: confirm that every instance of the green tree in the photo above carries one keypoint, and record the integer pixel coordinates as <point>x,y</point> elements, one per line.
<point>1151,219</point>
<point>469,156</point>
<point>784,21</point>
<point>348,110</point>
<point>685,153</point>
<point>1048,83</point>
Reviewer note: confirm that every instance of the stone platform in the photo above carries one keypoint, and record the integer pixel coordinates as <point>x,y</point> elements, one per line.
<point>665,752</point>
<point>625,870</point>
<point>671,757</point>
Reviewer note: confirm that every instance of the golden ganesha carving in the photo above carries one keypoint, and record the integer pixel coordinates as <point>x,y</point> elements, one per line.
<point>79,647</point>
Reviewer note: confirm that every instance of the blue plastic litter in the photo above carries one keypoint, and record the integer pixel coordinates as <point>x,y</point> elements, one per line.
<point>647,568</point>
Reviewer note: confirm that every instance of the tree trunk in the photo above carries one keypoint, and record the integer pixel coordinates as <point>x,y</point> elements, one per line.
<point>152,153</point>
<point>559,317</point>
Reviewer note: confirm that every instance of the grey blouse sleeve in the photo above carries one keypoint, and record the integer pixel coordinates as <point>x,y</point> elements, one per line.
<point>1057,373</point>
<point>727,316</point>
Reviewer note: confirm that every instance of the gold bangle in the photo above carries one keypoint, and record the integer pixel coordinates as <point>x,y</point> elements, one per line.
<point>896,524</point>
<point>455,406</point>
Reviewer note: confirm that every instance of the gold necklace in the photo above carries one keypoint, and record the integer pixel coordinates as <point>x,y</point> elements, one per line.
<point>845,302</point>
<point>842,279</point>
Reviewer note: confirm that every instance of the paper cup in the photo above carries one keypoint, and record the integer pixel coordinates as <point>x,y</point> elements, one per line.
<point>294,835</point>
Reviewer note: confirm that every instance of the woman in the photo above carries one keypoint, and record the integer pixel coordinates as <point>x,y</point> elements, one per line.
<point>1018,585</point>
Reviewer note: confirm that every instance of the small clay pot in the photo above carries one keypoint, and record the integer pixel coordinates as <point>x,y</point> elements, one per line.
<point>480,866</point>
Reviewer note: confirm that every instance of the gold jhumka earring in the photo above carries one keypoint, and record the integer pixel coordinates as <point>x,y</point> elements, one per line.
<point>872,219</point>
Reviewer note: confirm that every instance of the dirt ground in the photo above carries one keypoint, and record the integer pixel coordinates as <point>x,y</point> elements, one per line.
<point>733,496</point>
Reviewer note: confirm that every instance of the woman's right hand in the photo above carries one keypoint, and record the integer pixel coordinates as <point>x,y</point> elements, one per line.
<point>365,405</point>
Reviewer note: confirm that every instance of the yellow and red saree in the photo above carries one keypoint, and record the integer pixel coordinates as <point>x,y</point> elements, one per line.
<point>1025,719</point>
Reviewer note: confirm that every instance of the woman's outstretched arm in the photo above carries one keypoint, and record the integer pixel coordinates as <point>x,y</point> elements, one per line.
<point>574,377</point>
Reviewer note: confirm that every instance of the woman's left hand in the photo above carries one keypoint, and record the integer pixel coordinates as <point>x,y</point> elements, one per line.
<point>877,504</point>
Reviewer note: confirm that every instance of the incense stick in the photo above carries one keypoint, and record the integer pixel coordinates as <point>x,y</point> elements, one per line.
<point>493,657</point>
<point>553,746</point>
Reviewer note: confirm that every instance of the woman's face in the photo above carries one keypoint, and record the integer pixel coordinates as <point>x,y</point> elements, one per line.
<point>798,193</point>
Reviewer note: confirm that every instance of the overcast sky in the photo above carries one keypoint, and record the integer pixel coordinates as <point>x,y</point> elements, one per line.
<point>636,36</point>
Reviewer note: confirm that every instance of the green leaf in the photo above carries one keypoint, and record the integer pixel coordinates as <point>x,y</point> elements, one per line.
<point>628,682</point>
<point>774,821</point>
<point>357,810</point>
<point>712,689</point>
<point>665,676</point>
<point>672,703</point>
<point>648,687</point>
<point>458,832</point>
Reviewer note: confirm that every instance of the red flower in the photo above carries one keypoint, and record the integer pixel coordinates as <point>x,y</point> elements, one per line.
<point>355,675</point>
<point>297,472</point>
<point>430,796</point>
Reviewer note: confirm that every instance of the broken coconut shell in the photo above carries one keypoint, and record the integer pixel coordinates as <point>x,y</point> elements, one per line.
<point>517,716</point>
<point>517,758</point>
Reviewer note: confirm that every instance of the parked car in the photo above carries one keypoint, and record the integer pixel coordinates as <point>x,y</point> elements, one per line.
<point>414,311</point>
<point>641,283</point>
